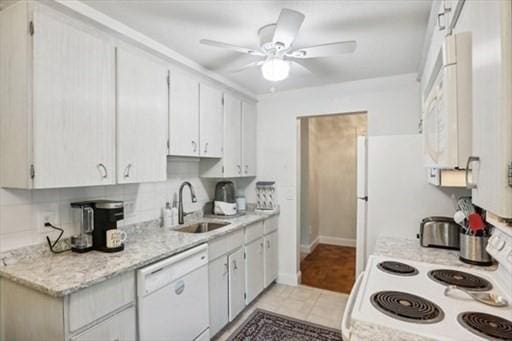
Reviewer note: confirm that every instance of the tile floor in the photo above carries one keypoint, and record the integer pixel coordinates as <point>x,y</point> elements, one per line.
<point>302,302</point>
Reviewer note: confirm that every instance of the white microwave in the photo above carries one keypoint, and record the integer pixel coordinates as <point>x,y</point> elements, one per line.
<point>447,107</point>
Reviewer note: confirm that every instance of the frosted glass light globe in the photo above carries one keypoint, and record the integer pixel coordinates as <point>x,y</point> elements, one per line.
<point>275,69</point>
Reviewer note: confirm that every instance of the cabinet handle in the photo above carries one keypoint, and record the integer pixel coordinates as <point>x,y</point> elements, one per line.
<point>127,170</point>
<point>268,244</point>
<point>226,269</point>
<point>235,266</point>
<point>246,169</point>
<point>179,287</point>
<point>439,16</point>
<point>105,172</point>
<point>206,148</point>
<point>194,146</point>
<point>469,183</point>
<point>239,169</point>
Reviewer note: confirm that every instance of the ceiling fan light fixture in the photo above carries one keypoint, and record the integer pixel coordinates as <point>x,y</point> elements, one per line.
<point>275,69</point>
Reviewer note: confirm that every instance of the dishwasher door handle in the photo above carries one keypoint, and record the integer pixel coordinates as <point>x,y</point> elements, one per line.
<point>179,287</point>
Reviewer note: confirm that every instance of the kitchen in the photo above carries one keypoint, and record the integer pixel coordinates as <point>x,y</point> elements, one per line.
<point>105,106</point>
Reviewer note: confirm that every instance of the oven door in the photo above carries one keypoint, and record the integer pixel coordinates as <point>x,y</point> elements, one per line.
<point>346,322</point>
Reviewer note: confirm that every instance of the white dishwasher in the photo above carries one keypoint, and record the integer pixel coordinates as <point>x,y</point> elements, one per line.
<point>172,298</point>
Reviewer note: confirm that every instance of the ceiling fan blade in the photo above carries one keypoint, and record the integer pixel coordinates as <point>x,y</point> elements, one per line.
<point>246,66</point>
<point>287,27</point>
<point>299,67</point>
<point>231,47</point>
<point>324,50</point>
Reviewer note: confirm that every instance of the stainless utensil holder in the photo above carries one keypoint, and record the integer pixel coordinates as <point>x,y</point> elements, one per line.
<point>472,250</point>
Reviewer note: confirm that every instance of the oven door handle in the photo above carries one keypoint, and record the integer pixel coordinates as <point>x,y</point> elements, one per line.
<point>345,323</point>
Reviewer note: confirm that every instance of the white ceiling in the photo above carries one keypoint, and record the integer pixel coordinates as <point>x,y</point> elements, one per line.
<point>389,34</point>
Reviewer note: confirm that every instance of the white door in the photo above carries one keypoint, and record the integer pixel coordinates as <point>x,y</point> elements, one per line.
<point>232,136</point>
<point>74,105</point>
<point>236,283</point>
<point>119,327</point>
<point>362,202</point>
<point>142,97</point>
<point>249,139</point>
<point>211,123</point>
<point>183,115</point>
<point>254,269</point>
<point>270,258</point>
<point>218,293</point>
<point>492,108</point>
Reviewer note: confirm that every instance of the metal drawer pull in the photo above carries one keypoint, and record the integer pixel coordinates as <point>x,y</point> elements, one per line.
<point>194,144</point>
<point>226,269</point>
<point>469,183</point>
<point>206,147</point>
<point>127,171</point>
<point>239,169</point>
<point>105,172</point>
<point>235,266</point>
<point>441,27</point>
<point>246,169</point>
<point>179,288</point>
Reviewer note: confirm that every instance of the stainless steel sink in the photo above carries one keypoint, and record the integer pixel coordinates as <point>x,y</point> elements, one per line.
<point>202,227</point>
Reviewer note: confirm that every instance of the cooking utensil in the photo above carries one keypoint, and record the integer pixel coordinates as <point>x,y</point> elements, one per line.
<point>466,206</point>
<point>475,222</point>
<point>488,298</point>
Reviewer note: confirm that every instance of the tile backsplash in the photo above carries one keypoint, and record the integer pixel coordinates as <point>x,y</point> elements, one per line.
<point>22,212</point>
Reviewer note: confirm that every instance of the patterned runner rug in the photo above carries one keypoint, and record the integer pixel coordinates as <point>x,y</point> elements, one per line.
<point>262,325</point>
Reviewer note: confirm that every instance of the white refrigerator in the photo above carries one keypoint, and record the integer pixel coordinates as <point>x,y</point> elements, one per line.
<point>362,202</point>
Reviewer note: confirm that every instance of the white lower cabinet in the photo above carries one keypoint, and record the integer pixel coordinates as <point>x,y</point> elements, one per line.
<point>255,271</point>
<point>218,290</point>
<point>270,258</point>
<point>120,327</point>
<point>236,283</point>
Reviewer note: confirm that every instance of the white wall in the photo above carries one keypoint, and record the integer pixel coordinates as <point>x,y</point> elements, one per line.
<point>392,104</point>
<point>21,210</point>
<point>398,192</point>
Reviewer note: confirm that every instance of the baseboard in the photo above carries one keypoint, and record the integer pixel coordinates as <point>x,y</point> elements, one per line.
<point>307,249</point>
<point>289,279</point>
<point>337,241</point>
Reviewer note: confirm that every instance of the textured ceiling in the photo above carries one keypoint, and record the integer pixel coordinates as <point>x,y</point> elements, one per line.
<point>389,34</point>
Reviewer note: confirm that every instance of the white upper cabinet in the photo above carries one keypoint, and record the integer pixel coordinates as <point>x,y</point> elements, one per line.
<point>232,136</point>
<point>66,136</point>
<point>248,139</point>
<point>183,115</point>
<point>210,121</point>
<point>142,97</point>
<point>491,165</point>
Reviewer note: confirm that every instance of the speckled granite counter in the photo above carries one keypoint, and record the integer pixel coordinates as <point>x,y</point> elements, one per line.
<point>411,249</point>
<point>61,274</point>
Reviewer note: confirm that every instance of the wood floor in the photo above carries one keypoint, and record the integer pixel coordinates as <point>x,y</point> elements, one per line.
<point>330,267</point>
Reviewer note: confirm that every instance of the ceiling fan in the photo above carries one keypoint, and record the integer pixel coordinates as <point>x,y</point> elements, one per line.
<point>276,47</point>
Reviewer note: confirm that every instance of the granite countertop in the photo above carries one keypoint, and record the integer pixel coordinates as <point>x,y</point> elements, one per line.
<point>410,249</point>
<point>62,274</point>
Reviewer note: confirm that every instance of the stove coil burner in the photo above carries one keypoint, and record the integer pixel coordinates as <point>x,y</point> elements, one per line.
<point>397,268</point>
<point>460,279</point>
<point>486,325</point>
<point>406,307</point>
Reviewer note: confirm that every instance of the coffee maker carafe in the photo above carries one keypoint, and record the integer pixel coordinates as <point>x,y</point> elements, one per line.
<point>105,215</point>
<point>83,215</point>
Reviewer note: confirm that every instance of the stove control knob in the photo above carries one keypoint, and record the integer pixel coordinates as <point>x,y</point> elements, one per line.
<point>500,244</point>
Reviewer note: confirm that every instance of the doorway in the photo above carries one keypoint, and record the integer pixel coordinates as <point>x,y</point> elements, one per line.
<point>329,206</point>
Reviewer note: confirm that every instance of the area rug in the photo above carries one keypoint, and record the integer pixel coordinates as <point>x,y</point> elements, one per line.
<point>263,325</point>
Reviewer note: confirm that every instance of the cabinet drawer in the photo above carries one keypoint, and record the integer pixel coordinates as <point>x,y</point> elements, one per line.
<point>225,244</point>
<point>253,232</point>
<point>88,305</point>
<point>120,327</point>
<point>271,224</point>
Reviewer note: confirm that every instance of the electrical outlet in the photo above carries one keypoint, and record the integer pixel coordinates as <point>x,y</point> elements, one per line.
<point>129,208</point>
<point>47,216</point>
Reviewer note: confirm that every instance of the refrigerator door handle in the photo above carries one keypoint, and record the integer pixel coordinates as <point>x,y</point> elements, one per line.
<point>365,198</point>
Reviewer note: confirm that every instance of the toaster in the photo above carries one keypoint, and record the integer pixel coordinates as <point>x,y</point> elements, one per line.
<point>441,232</point>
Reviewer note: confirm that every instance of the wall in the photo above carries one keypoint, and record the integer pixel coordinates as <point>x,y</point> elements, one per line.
<point>392,104</point>
<point>22,210</point>
<point>399,195</point>
<point>333,176</point>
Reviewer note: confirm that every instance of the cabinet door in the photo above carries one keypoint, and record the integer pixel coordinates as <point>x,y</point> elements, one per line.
<point>270,258</point>
<point>210,121</point>
<point>218,293</point>
<point>236,283</point>
<point>253,270</point>
<point>183,115</point>
<point>249,139</point>
<point>73,105</point>
<point>492,108</point>
<point>232,136</point>
<point>142,97</point>
<point>120,327</point>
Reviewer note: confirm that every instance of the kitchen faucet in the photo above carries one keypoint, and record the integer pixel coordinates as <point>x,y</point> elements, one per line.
<point>181,214</point>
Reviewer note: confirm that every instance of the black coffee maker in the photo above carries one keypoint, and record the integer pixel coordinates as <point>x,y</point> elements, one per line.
<point>105,215</point>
